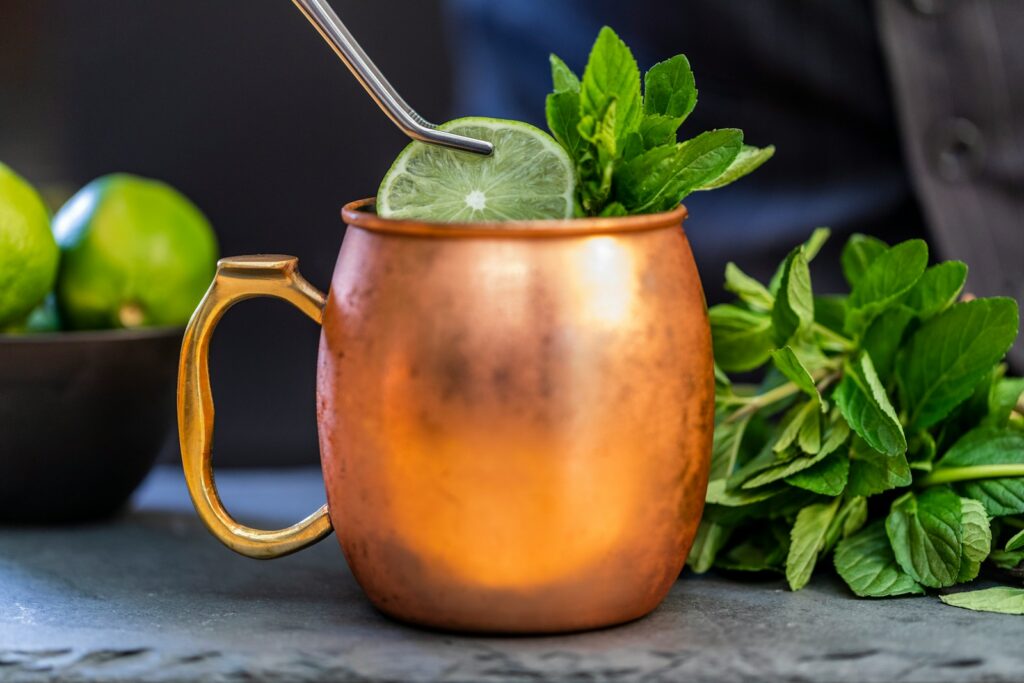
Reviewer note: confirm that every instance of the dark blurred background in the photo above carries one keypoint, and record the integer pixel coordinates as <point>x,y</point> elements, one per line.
<point>241,106</point>
<point>897,117</point>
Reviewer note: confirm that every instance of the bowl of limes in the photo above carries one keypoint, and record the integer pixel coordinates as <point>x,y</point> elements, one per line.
<point>93,301</point>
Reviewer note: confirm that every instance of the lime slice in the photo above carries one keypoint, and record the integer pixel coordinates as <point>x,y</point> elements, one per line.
<point>527,177</point>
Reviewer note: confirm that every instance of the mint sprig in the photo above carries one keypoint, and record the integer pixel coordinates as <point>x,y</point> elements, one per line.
<point>884,432</point>
<point>623,142</point>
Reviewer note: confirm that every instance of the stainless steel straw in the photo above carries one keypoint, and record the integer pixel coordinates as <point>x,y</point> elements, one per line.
<point>330,27</point>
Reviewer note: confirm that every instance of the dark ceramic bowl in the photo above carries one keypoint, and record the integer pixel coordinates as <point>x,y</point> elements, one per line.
<point>83,416</point>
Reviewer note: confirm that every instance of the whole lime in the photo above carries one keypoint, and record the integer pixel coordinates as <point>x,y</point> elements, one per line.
<point>43,318</point>
<point>134,253</point>
<point>28,254</point>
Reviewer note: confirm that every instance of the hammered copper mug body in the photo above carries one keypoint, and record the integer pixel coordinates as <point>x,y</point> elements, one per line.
<point>515,419</point>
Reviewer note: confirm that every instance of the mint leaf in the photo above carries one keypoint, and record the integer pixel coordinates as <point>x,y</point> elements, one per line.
<point>563,114</point>
<point>789,365</point>
<point>848,521</point>
<point>970,413</point>
<point>862,400</point>
<point>926,533</point>
<point>746,162</point>
<point>858,254</point>
<point>827,477</point>
<point>810,249</point>
<point>890,276</point>
<point>656,130</point>
<point>710,538</point>
<point>612,74</point>
<point>747,288</point>
<point>807,539</point>
<point>854,515</point>
<point>613,209</point>
<point>597,163</point>
<point>1001,599</point>
<point>830,312</point>
<point>774,472</point>
<point>1003,399</point>
<point>600,132</point>
<point>742,340</point>
<point>885,336</point>
<point>562,77</point>
<point>669,89</point>
<point>977,539</point>
<point>632,147</point>
<point>872,472</point>
<point>721,379</point>
<point>719,493</point>
<point>839,432</point>
<point>815,242</point>
<point>728,437</point>
<point>763,551</point>
<point>988,446</point>
<point>1017,542</point>
<point>866,563</point>
<point>794,300</point>
<point>792,424</point>
<point>660,178</point>
<point>944,359</point>
<point>923,449</point>
<point>780,472</point>
<point>809,439</point>
<point>813,357</point>
<point>764,459</point>
<point>1009,560</point>
<point>937,289</point>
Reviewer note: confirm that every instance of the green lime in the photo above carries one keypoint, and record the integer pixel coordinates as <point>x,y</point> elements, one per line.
<point>44,318</point>
<point>134,253</point>
<point>28,254</point>
<point>529,176</point>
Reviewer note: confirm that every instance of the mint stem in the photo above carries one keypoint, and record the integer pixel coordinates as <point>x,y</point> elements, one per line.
<point>949,475</point>
<point>841,342</point>
<point>753,404</point>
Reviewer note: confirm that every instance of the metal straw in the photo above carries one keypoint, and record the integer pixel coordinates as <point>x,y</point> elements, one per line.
<point>330,27</point>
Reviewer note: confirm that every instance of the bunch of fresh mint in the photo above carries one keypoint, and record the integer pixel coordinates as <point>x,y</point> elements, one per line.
<point>623,144</point>
<point>883,433</point>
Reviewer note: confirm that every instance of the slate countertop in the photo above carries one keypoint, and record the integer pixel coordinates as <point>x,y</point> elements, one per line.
<point>151,596</point>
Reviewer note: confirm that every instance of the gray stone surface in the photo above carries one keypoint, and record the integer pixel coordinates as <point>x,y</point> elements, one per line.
<point>152,597</point>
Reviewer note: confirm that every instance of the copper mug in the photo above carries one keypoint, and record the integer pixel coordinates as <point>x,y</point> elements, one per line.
<point>515,419</point>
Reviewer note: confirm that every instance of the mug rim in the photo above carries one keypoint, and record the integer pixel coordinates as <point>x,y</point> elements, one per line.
<point>358,214</point>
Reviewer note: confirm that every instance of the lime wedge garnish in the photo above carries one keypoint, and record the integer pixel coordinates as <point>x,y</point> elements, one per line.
<point>527,177</point>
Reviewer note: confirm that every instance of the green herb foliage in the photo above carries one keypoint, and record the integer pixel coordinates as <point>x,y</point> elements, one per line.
<point>884,433</point>
<point>623,142</point>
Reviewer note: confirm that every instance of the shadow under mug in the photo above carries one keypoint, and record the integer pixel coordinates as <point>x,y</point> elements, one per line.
<point>515,419</point>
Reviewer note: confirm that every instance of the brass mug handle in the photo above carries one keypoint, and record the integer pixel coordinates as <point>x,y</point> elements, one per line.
<point>238,278</point>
